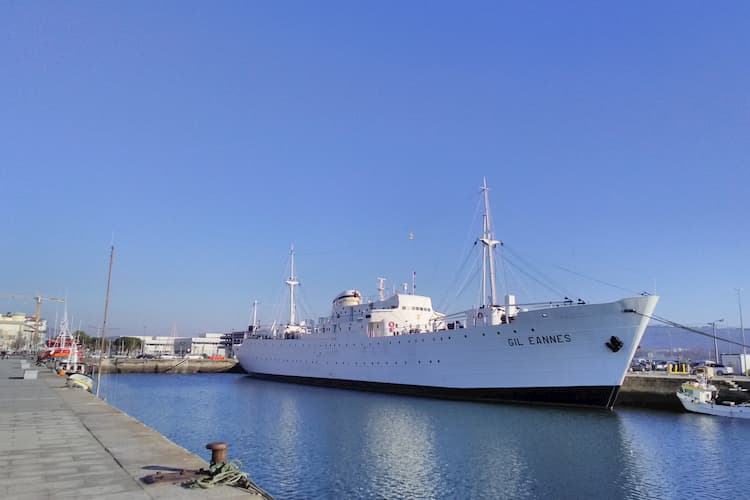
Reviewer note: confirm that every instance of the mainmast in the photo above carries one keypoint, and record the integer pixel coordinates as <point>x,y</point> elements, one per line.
<point>488,253</point>
<point>292,282</point>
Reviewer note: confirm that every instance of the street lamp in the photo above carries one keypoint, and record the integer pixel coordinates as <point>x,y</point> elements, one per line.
<point>743,363</point>
<point>716,343</point>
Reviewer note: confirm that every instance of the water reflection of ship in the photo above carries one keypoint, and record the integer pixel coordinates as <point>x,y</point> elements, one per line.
<point>568,353</point>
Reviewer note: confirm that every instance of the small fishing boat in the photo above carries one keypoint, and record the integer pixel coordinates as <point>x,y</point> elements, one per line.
<point>699,396</point>
<point>80,381</point>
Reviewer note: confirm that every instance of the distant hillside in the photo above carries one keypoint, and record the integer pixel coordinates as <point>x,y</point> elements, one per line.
<point>666,342</point>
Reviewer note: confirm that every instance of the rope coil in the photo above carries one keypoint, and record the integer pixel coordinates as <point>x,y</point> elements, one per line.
<point>227,473</point>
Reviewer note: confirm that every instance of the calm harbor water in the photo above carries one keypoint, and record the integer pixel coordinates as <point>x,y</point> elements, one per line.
<point>307,442</point>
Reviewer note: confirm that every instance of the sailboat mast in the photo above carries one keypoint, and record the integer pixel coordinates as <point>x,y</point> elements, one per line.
<point>104,324</point>
<point>292,282</point>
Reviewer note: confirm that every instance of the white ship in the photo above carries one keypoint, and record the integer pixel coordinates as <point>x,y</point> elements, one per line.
<point>562,353</point>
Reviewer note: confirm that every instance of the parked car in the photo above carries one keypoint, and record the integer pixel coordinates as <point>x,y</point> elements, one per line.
<point>723,370</point>
<point>659,365</point>
<point>638,366</point>
<point>700,366</point>
<point>145,356</point>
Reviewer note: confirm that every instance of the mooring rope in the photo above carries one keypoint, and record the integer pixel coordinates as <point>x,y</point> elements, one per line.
<point>689,329</point>
<point>230,474</point>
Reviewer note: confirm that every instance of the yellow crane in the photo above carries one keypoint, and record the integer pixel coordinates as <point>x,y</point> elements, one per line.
<point>38,312</point>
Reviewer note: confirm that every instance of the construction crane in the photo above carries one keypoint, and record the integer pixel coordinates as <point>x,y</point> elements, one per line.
<point>38,312</point>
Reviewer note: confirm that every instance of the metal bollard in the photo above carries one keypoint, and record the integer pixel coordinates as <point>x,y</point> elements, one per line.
<point>218,452</point>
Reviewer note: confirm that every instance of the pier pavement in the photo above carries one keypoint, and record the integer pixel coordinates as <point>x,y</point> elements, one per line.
<point>57,442</point>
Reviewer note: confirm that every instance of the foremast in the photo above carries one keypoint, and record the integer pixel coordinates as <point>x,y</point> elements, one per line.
<point>292,328</point>
<point>292,282</point>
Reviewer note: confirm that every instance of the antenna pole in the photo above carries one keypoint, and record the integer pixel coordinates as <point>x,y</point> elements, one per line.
<point>104,324</point>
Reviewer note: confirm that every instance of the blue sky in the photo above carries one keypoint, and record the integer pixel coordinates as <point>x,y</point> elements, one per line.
<point>209,136</point>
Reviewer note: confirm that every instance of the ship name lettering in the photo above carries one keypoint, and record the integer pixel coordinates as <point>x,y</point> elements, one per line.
<point>562,338</point>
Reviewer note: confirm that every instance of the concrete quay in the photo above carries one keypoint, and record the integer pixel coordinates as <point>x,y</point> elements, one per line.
<point>657,389</point>
<point>179,365</point>
<point>57,443</point>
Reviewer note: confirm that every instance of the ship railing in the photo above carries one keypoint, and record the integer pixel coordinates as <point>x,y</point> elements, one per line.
<point>551,303</point>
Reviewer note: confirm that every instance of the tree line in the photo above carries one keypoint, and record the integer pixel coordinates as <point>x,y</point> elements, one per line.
<point>120,344</point>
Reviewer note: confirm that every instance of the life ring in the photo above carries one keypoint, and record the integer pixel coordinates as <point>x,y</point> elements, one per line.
<point>391,326</point>
<point>480,315</point>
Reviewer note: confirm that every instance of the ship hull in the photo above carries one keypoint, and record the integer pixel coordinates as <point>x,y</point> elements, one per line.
<point>591,396</point>
<point>556,355</point>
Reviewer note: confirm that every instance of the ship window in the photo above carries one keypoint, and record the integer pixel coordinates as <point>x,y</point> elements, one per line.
<point>532,329</point>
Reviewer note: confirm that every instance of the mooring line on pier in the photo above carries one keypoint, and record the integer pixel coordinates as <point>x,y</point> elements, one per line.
<point>685,327</point>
